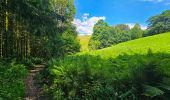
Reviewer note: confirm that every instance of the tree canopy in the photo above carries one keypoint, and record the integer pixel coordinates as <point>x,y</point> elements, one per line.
<point>136,32</point>
<point>159,23</point>
<point>105,35</point>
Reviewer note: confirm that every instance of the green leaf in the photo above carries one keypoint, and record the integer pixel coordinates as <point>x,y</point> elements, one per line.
<point>152,91</point>
<point>167,87</point>
<point>126,94</point>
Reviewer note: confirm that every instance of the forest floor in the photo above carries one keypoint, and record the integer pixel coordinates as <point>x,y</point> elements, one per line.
<point>32,89</point>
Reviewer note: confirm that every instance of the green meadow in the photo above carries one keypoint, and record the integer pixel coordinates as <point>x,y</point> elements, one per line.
<point>156,43</point>
<point>84,42</point>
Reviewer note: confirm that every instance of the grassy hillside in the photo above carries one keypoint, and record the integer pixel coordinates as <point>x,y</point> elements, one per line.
<point>157,43</point>
<point>84,42</point>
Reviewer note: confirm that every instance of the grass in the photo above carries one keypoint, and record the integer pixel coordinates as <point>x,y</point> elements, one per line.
<point>84,42</point>
<point>157,43</point>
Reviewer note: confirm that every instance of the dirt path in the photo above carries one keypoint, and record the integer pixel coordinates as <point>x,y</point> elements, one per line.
<point>32,90</point>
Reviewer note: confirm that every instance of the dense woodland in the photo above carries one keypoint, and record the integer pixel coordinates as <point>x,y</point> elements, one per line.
<point>34,32</point>
<point>38,28</point>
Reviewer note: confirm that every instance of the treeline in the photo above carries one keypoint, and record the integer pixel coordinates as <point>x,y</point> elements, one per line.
<point>37,28</point>
<point>104,35</point>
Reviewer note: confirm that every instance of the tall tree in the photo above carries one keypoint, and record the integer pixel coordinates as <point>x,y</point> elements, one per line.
<point>34,27</point>
<point>105,35</point>
<point>100,33</point>
<point>136,31</point>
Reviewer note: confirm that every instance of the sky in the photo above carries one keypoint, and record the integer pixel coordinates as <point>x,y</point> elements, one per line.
<point>129,12</point>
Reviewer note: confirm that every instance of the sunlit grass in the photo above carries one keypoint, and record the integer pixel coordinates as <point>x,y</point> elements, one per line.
<point>84,42</point>
<point>157,43</point>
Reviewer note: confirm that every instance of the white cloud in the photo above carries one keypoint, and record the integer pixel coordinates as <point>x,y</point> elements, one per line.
<point>131,25</point>
<point>85,16</point>
<point>85,26</point>
<point>143,27</point>
<point>153,0</point>
<point>167,4</point>
<point>164,2</point>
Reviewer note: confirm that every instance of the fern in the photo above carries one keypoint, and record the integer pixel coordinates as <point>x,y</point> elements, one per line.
<point>152,91</point>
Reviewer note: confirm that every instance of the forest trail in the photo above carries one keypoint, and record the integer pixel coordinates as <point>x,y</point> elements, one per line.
<point>32,89</point>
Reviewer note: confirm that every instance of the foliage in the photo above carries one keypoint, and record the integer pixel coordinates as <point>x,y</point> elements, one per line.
<point>12,80</point>
<point>30,62</point>
<point>37,60</point>
<point>105,35</point>
<point>123,27</point>
<point>36,28</point>
<point>71,44</point>
<point>127,71</point>
<point>127,77</point>
<point>159,23</point>
<point>29,31</point>
<point>136,32</point>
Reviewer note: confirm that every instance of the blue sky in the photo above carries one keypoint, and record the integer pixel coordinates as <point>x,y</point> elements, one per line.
<point>116,12</point>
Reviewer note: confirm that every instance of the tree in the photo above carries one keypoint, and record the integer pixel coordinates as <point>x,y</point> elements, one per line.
<point>136,32</point>
<point>99,36</point>
<point>34,27</point>
<point>105,35</point>
<point>123,27</point>
<point>159,23</point>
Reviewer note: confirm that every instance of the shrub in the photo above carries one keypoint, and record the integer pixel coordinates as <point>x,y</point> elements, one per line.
<point>11,80</point>
<point>28,63</point>
<point>37,60</point>
<point>31,62</point>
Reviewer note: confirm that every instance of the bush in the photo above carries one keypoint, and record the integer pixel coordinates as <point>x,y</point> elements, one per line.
<point>31,62</point>
<point>37,60</point>
<point>127,77</point>
<point>11,80</point>
<point>28,63</point>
